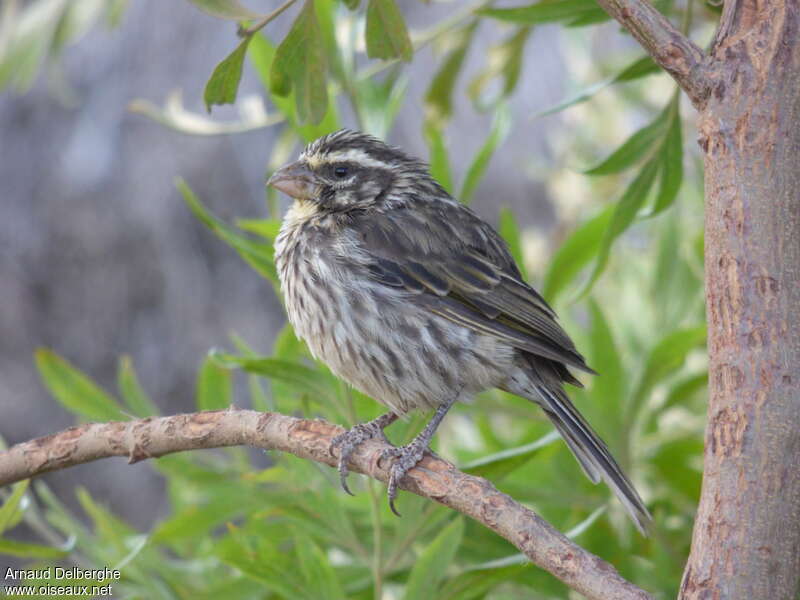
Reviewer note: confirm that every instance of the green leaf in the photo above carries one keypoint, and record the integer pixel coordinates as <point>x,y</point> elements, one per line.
<point>225,9</point>
<point>575,253</point>
<point>430,567</point>
<point>387,36</point>
<point>668,356</point>
<point>438,160</point>
<point>546,11</point>
<point>214,386</point>
<point>106,525</point>
<point>134,396</point>
<point>609,387</point>
<point>508,228</point>
<point>477,168</point>
<point>76,392</point>
<point>439,98</point>
<point>29,550</point>
<point>589,18</point>
<point>262,54</point>
<point>381,101</point>
<point>498,465</point>
<point>301,64</point>
<point>671,157</point>
<point>685,389</point>
<point>504,61</point>
<point>474,584</point>
<point>639,68</point>
<point>10,512</point>
<point>28,42</point>
<point>624,213</point>
<point>633,149</point>
<point>318,574</point>
<point>257,254</point>
<point>194,521</point>
<point>266,228</point>
<point>223,85</point>
<point>282,370</point>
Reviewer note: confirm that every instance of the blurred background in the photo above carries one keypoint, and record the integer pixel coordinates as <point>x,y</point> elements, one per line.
<point>100,257</point>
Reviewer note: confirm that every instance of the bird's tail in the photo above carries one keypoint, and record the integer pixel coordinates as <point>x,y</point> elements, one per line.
<point>591,452</point>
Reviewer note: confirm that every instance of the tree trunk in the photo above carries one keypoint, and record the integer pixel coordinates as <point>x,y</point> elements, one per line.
<point>746,542</point>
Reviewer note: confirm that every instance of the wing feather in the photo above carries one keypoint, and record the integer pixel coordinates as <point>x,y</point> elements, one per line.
<point>471,280</point>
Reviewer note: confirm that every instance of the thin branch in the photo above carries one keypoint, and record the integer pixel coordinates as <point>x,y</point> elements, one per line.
<point>670,48</point>
<point>433,478</point>
<point>259,25</point>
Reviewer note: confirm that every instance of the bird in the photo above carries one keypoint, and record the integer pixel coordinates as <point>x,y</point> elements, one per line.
<point>410,297</point>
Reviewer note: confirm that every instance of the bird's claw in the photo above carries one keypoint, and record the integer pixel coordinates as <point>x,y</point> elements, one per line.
<point>347,443</point>
<point>406,458</point>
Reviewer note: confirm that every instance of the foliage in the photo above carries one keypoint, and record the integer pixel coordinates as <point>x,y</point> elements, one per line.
<point>626,280</point>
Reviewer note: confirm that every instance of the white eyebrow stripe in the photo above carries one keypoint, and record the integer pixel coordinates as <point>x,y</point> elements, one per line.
<point>357,156</point>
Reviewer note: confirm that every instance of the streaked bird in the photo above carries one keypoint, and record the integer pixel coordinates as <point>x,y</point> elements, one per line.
<point>414,300</point>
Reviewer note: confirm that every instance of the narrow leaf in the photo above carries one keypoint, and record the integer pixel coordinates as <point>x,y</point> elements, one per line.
<point>575,253</point>
<point>685,389</point>
<point>282,370</point>
<point>624,213</point>
<point>509,229</point>
<point>438,160</point>
<point>505,62</point>
<point>479,164</point>
<point>29,550</point>
<point>214,386</point>
<point>76,392</point>
<point>609,387</point>
<point>671,157</point>
<point>300,64</point>
<point>11,511</point>
<point>430,568</point>
<point>387,36</point>
<point>667,356</point>
<point>639,68</point>
<point>633,149</point>
<point>546,11</point>
<point>225,9</point>
<point>498,465</point>
<point>257,254</point>
<point>319,576</point>
<point>262,55</point>
<point>131,390</point>
<point>439,97</point>
<point>223,85</point>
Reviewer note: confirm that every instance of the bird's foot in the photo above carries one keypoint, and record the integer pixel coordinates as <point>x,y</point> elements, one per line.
<point>406,458</point>
<point>351,439</point>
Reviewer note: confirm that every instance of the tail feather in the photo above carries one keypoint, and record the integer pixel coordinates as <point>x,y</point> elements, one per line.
<point>592,453</point>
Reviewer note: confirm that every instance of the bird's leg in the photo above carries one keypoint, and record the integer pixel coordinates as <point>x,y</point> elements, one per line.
<point>409,455</point>
<point>348,441</point>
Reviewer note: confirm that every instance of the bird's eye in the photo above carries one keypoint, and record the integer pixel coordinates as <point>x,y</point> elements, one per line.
<point>340,172</point>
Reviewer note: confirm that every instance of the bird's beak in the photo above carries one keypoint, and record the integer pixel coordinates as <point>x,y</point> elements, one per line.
<point>295,180</point>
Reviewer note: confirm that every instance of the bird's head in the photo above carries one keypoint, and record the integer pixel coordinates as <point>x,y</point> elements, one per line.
<point>349,170</point>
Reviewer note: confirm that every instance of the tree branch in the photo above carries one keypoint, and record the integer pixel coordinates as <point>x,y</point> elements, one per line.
<point>433,478</point>
<point>671,49</point>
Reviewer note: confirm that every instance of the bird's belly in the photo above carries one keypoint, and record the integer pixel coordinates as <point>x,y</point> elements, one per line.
<point>385,345</point>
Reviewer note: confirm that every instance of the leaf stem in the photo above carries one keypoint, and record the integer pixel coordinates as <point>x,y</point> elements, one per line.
<point>427,36</point>
<point>259,25</point>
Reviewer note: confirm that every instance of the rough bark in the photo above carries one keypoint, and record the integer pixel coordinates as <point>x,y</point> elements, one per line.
<point>673,51</point>
<point>433,478</point>
<point>746,540</point>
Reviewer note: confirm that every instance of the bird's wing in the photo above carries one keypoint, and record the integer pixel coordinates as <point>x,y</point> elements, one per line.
<point>457,266</point>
